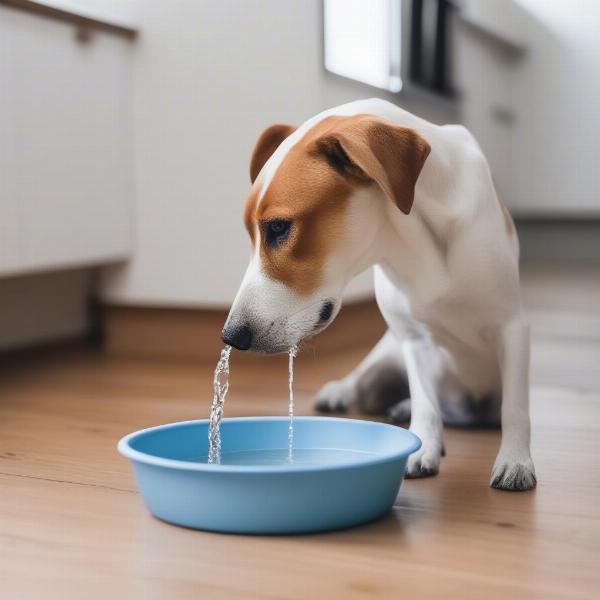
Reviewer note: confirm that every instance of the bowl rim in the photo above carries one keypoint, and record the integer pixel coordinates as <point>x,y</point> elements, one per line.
<point>124,448</point>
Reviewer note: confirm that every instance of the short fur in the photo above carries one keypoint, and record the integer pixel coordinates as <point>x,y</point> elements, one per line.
<point>368,183</point>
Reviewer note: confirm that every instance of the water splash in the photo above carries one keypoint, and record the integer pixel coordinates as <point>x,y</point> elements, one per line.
<point>220,387</point>
<point>293,351</point>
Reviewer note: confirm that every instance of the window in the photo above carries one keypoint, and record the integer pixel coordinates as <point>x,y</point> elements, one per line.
<point>362,41</point>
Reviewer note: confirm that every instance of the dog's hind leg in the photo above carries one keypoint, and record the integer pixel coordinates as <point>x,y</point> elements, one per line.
<point>400,411</point>
<point>377,383</point>
<point>463,409</point>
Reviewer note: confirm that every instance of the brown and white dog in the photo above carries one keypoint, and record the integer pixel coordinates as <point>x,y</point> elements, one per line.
<point>367,183</point>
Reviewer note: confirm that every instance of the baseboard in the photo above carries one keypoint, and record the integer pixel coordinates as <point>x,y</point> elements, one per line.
<point>40,309</point>
<point>194,334</point>
<point>60,351</point>
<point>559,240</point>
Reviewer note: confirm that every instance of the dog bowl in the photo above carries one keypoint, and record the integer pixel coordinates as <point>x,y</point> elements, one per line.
<point>344,472</point>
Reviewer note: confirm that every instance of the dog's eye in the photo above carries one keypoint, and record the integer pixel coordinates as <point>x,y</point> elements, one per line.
<point>276,232</point>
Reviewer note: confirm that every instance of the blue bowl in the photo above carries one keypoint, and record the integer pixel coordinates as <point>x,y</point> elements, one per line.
<point>358,471</point>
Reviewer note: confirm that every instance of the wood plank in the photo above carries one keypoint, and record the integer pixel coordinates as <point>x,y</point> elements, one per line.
<point>73,526</point>
<point>68,509</point>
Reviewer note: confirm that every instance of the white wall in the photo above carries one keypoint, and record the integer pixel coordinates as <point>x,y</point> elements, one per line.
<point>208,77</point>
<point>557,95</point>
<point>485,78</point>
<point>536,113</point>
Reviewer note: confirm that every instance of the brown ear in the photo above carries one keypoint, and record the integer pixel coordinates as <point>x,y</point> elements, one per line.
<point>388,154</point>
<point>266,144</point>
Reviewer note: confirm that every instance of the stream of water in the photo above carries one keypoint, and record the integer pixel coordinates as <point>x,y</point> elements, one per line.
<point>220,388</point>
<point>293,351</point>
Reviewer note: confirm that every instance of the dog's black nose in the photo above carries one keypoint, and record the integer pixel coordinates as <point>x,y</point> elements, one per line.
<point>238,336</point>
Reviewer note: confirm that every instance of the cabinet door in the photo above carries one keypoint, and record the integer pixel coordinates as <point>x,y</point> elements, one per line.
<point>70,142</point>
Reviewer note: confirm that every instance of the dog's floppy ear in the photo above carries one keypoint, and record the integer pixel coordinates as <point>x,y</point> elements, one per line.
<point>266,144</point>
<point>370,148</point>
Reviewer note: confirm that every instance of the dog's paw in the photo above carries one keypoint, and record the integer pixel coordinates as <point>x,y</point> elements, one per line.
<point>399,412</point>
<point>424,463</point>
<point>335,396</point>
<point>513,475</point>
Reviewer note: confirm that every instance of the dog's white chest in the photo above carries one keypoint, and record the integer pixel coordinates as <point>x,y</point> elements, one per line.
<point>451,323</point>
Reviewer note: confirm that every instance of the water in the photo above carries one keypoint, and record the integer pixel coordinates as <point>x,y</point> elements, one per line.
<point>220,387</point>
<point>280,457</point>
<point>293,351</point>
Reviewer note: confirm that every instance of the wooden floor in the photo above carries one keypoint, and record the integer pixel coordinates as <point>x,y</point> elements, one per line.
<point>73,526</point>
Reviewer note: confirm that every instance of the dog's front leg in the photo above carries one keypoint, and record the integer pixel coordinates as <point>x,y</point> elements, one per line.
<point>513,469</point>
<point>424,370</point>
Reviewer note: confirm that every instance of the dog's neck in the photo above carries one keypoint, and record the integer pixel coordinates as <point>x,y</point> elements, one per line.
<point>412,250</point>
<point>411,258</point>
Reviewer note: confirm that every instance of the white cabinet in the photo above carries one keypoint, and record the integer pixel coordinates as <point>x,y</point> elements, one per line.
<point>66,168</point>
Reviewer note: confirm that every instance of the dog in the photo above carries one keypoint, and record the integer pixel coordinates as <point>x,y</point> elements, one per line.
<point>370,184</point>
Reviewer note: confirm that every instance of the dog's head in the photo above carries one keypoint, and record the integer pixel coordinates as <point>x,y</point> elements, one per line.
<point>313,213</point>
